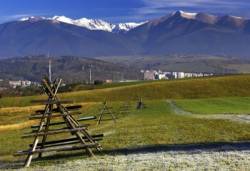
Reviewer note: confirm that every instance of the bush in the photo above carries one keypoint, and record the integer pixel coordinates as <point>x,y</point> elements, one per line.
<point>98,82</point>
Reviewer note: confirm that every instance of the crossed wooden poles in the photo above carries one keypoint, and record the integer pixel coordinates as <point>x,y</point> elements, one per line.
<point>106,110</point>
<point>55,109</point>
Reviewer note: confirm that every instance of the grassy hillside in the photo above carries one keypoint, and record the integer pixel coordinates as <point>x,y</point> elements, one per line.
<point>227,86</point>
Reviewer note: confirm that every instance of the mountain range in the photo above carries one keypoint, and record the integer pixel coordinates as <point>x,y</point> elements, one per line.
<point>179,33</point>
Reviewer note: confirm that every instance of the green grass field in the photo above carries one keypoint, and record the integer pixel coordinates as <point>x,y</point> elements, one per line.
<point>157,124</point>
<point>229,105</point>
<point>106,85</point>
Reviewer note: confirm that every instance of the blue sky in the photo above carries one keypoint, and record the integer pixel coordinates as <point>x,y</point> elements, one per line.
<point>118,10</point>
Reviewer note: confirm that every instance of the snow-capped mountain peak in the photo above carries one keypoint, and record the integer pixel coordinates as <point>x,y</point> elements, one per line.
<point>91,24</point>
<point>31,18</point>
<point>128,26</point>
<point>86,23</point>
<point>187,15</point>
<point>62,19</point>
<point>94,24</point>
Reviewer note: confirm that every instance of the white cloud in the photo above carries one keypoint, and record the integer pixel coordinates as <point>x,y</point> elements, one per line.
<point>18,16</point>
<point>159,7</point>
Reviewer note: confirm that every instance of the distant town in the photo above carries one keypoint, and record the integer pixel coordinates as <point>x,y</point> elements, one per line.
<point>147,75</point>
<point>16,83</point>
<point>161,75</point>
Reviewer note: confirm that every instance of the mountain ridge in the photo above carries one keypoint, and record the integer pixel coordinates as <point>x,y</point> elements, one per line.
<point>178,33</point>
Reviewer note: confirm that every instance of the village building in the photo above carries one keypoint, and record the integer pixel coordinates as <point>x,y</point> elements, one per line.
<point>160,75</point>
<point>108,81</point>
<point>149,75</point>
<point>20,83</point>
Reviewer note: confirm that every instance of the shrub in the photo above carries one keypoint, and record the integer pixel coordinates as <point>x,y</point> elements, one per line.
<point>98,82</point>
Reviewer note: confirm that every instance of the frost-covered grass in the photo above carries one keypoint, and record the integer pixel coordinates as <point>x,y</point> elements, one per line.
<point>170,160</point>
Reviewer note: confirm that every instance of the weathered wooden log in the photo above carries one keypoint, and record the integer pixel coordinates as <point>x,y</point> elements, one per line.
<point>107,119</point>
<point>52,132</point>
<point>80,126</point>
<point>70,108</point>
<point>71,139</point>
<point>87,118</point>
<point>97,137</point>
<point>70,143</point>
<point>74,107</point>
<point>54,112</point>
<point>61,123</point>
<point>52,102</point>
<point>33,117</point>
<point>66,148</point>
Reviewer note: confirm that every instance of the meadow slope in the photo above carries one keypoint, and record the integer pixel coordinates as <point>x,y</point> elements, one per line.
<point>228,86</point>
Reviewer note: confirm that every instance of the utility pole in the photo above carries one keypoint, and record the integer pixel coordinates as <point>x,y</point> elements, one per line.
<point>50,72</point>
<point>83,69</point>
<point>122,76</point>
<point>90,73</point>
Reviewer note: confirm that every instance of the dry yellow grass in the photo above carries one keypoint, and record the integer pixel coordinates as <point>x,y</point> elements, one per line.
<point>12,114</point>
<point>27,109</point>
<point>18,126</point>
<point>30,109</point>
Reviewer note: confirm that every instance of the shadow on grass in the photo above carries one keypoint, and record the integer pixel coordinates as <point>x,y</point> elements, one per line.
<point>188,148</point>
<point>192,148</point>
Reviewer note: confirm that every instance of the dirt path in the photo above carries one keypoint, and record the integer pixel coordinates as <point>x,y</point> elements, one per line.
<point>177,110</point>
<point>243,118</point>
